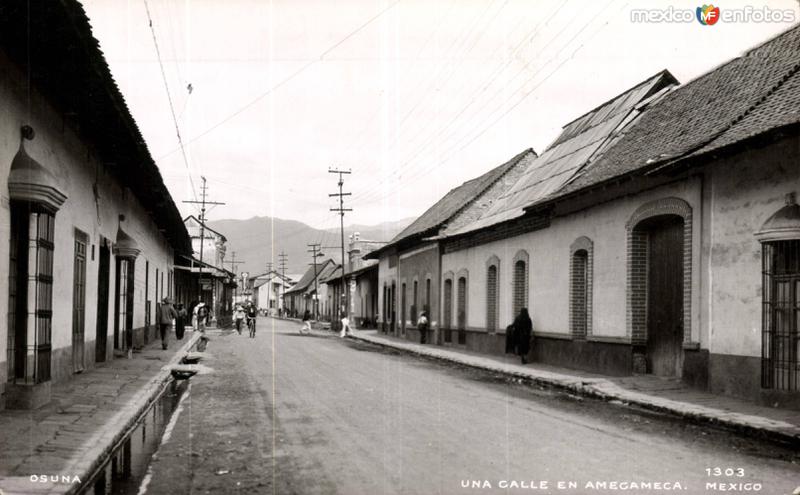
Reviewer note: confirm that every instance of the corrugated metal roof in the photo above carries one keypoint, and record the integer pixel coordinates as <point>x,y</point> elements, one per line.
<point>747,96</point>
<point>578,143</point>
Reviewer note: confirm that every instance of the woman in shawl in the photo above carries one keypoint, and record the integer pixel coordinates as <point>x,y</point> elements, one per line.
<point>523,329</point>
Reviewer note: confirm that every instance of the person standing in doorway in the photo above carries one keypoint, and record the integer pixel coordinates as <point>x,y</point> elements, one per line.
<point>523,330</point>
<point>165,318</point>
<point>422,326</point>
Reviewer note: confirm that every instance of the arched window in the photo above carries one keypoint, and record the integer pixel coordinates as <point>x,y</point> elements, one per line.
<point>448,308</point>
<point>462,310</point>
<point>519,296</point>
<point>414,304</point>
<point>491,298</point>
<point>580,287</point>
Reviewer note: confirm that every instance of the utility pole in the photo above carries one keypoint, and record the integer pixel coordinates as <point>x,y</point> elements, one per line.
<point>314,253</point>
<point>341,209</point>
<point>269,282</point>
<point>202,219</point>
<point>282,259</point>
<point>233,263</point>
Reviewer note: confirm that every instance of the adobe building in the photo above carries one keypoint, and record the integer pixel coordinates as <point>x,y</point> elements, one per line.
<point>92,230</point>
<point>409,266</point>
<point>672,248</point>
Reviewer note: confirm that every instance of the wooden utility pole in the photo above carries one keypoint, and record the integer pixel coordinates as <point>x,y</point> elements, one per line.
<point>233,263</point>
<point>341,209</point>
<point>203,203</point>
<point>314,253</point>
<point>282,259</point>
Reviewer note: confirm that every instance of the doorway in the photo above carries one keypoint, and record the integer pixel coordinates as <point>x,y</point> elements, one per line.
<point>79,301</point>
<point>664,350</point>
<point>103,272</point>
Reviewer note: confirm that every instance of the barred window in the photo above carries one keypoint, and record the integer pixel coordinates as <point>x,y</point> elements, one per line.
<point>781,326</point>
<point>31,292</point>
<point>579,286</point>
<point>520,287</point>
<point>462,303</point>
<point>414,305</point>
<point>491,298</point>
<point>448,308</point>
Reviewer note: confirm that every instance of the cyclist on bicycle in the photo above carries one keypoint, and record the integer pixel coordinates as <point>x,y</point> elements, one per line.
<point>251,318</point>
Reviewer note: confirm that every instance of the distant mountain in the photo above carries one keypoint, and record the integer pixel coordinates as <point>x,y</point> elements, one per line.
<point>259,240</point>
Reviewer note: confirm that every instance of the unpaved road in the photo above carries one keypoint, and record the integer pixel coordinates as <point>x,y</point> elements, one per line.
<point>284,413</point>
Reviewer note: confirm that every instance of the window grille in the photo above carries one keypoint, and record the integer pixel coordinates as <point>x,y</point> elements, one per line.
<point>462,310</point>
<point>491,298</point>
<point>578,304</point>
<point>448,309</point>
<point>780,345</point>
<point>520,288</point>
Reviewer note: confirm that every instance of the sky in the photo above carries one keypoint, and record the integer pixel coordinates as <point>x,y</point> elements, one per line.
<point>413,97</point>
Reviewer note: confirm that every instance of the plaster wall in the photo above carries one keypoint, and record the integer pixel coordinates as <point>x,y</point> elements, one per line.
<point>93,210</point>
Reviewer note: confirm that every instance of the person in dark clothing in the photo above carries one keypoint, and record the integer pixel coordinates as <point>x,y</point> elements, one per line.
<point>422,326</point>
<point>523,329</point>
<point>306,328</point>
<point>167,313</point>
<point>180,321</point>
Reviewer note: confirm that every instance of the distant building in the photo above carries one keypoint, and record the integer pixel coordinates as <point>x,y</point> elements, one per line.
<point>90,231</point>
<point>207,280</point>
<point>302,295</point>
<point>267,291</point>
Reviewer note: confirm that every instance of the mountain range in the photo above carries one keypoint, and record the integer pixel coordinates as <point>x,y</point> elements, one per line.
<point>259,240</point>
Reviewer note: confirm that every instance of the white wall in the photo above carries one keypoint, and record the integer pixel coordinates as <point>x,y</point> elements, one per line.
<point>549,251</point>
<point>76,167</point>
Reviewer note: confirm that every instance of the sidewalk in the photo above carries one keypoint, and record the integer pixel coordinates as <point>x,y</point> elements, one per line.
<point>86,417</point>
<point>648,392</point>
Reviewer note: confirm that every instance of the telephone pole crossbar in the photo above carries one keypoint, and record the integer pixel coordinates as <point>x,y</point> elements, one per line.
<point>341,210</point>
<point>203,203</point>
<point>314,254</point>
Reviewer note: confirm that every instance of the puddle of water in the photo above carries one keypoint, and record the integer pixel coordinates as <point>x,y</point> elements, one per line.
<point>124,470</point>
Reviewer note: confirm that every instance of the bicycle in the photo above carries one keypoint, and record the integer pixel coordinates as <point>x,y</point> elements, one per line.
<point>251,324</point>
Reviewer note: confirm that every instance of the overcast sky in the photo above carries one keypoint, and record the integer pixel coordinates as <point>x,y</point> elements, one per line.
<point>415,96</point>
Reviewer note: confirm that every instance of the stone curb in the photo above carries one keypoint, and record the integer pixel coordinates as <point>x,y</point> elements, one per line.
<point>606,390</point>
<point>113,431</point>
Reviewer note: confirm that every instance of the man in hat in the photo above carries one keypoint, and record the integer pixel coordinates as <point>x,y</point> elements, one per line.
<point>167,313</point>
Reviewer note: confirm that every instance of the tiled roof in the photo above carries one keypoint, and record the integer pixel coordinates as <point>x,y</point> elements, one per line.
<point>579,142</point>
<point>308,277</point>
<point>53,43</point>
<point>749,95</point>
<point>455,200</point>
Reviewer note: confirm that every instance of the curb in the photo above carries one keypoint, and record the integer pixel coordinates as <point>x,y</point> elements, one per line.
<point>115,430</point>
<point>606,390</point>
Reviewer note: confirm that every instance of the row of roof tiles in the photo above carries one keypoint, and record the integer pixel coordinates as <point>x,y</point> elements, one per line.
<point>656,122</point>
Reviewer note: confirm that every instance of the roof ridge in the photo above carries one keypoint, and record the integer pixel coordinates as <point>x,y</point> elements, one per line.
<point>775,87</point>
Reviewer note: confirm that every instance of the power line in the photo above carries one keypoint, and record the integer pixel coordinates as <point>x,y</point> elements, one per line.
<point>481,88</point>
<point>287,79</point>
<point>462,143</point>
<point>203,202</point>
<point>169,98</point>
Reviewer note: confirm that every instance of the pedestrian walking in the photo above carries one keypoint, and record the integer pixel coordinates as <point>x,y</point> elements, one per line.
<point>201,316</point>
<point>180,321</point>
<point>166,315</point>
<point>238,317</point>
<point>523,330</point>
<point>345,326</point>
<point>306,328</point>
<point>422,326</point>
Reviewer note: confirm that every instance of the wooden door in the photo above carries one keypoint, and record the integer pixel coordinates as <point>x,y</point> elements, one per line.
<point>665,297</point>
<point>103,294</point>
<point>79,302</point>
